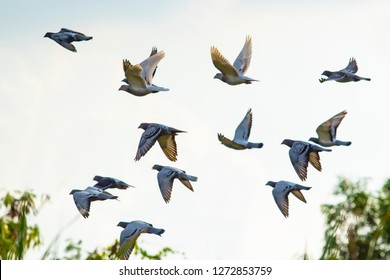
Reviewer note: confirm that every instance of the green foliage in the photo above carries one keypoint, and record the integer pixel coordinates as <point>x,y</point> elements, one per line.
<point>357,227</point>
<point>16,235</point>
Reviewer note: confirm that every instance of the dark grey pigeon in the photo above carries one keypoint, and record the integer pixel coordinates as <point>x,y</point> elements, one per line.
<point>130,234</point>
<point>344,75</point>
<point>282,189</point>
<point>327,132</point>
<point>241,135</point>
<point>301,153</point>
<point>165,136</point>
<point>66,36</point>
<point>83,198</point>
<point>110,183</point>
<point>165,177</point>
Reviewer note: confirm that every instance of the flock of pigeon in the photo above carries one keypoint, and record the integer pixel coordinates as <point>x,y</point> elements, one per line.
<point>138,82</point>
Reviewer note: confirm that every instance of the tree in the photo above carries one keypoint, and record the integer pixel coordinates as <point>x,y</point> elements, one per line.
<point>357,227</point>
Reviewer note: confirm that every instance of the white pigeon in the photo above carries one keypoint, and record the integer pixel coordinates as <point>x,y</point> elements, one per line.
<point>282,189</point>
<point>241,135</point>
<point>139,76</point>
<point>327,132</point>
<point>165,177</point>
<point>83,198</point>
<point>233,74</point>
<point>130,234</point>
<point>66,36</point>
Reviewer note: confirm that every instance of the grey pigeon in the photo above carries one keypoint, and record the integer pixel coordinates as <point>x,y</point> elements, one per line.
<point>139,77</point>
<point>344,75</point>
<point>165,177</point>
<point>110,183</point>
<point>130,234</point>
<point>241,135</point>
<point>301,153</point>
<point>165,136</point>
<point>327,132</point>
<point>83,198</point>
<point>282,189</point>
<point>233,74</point>
<point>66,36</point>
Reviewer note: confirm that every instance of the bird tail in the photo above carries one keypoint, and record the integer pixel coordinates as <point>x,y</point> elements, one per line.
<point>255,145</point>
<point>157,231</point>
<point>343,143</point>
<point>366,79</point>
<point>191,178</point>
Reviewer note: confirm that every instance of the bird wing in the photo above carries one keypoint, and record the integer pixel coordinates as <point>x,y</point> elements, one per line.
<point>229,143</point>
<point>165,179</point>
<point>149,66</point>
<point>351,67</point>
<point>133,75</point>
<point>72,31</point>
<point>221,63</point>
<point>148,138</point>
<point>314,159</point>
<point>298,194</point>
<point>83,203</point>
<point>168,145</point>
<point>243,59</point>
<point>243,130</point>
<point>327,130</point>
<point>128,239</point>
<point>299,158</point>
<point>103,183</point>
<point>281,199</point>
<point>67,46</point>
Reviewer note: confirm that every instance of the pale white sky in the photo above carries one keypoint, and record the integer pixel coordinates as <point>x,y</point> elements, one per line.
<point>62,119</point>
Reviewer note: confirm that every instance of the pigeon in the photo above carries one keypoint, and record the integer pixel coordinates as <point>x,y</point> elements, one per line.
<point>301,153</point>
<point>83,198</point>
<point>241,135</point>
<point>165,136</point>
<point>281,191</point>
<point>139,76</point>
<point>130,234</point>
<point>344,75</point>
<point>233,74</point>
<point>66,36</point>
<point>104,183</point>
<point>327,132</point>
<point>165,177</point>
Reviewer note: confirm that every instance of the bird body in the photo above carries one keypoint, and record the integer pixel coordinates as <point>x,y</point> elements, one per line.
<point>83,198</point>
<point>327,132</point>
<point>165,136</point>
<point>233,74</point>
<point>301,153</point>
<point>139,76</point>
<point>241,135</point>
<point>344,75</point>
<point>130,233</point>
<point>109,182</point>
<point>66,36</point>
<point>280,192</point>
<point>165,177</point>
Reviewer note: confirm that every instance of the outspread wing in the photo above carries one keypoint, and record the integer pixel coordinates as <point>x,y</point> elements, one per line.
<point>134,75</point>
<point>148,138</point>
<point>281,199</point>
<point>168,145</point>
<point>222,64</point>
<point>299,160</point>
<point>229,143</point>
<point>351,67</point>
<point>327,130</point>
<point>165,179</point>
<point>243,130</point>
<point>243,60</point>
<point>149,66</point>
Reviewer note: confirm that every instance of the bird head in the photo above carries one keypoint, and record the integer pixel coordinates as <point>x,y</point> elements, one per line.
<point>74,191</point>
<point>313,139</point>
<point>144,126</point>
<point>218,76</point>
<point>157,167</point>
<point>48,34</point>
<point>125,81</point>
<point>271,183</point>
<point>288,142</point>
<point>122,224</point>
<point>326,73</point>
<point>124,88</point>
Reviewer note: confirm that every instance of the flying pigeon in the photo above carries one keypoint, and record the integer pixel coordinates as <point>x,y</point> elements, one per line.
<point>301,153</point>
<point>281,191</point>
<point>165,177</point>
<point>327,132</point>
<point>66,36</point>
<point>83,198</point>
<point>344,75</point>
<point>104,183</point>
<point>233,74</point>
<point>130,234</point>
<point>241,135</point>
<point>165,136</point>
<point>139,77</point>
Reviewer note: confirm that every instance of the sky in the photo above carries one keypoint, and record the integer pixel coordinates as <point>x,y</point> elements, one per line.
<point>63,120</point>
